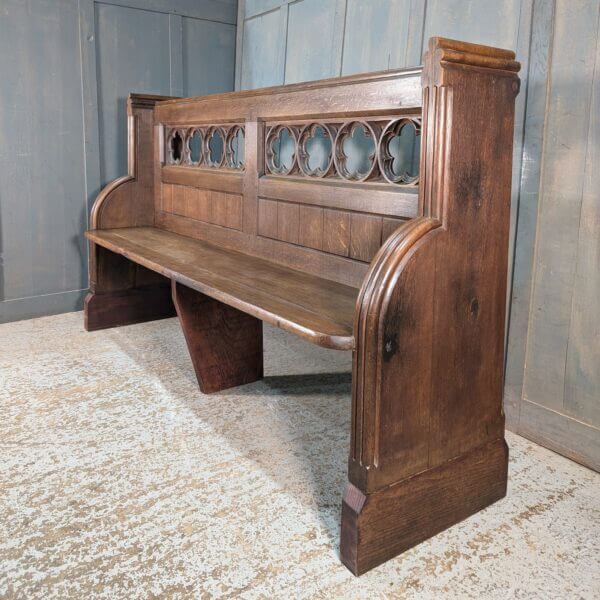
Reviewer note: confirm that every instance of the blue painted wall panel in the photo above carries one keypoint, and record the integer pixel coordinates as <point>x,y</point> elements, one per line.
<point>66,68</point>
<point>204,40</point>
<point>42,187</point>
<point>132,55</point>
<point>553,395</point>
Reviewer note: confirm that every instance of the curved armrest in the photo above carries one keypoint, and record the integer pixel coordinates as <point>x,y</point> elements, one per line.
<point>385,268</point>
<point>110,204</point>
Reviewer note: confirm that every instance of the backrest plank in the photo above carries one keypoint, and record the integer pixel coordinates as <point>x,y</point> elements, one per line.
<point>326,216</point>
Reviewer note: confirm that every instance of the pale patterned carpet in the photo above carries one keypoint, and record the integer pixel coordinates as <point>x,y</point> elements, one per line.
<point>119,479</point>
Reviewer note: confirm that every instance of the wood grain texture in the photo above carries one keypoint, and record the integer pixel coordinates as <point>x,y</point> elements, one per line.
<point>378,526</point>
<point>427,325</point>
<point>316,309</point>
<point>126,307</point>
<point>225,344</point>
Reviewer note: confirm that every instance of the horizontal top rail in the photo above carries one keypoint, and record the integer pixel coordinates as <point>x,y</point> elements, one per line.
<point>366,94</point>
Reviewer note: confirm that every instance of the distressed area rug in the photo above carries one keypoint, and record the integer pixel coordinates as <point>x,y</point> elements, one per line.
<point>119,479</point>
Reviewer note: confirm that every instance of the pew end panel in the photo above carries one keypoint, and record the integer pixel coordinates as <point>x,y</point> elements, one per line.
<point>408,271</point>
<point>428,445</point>
<point>122,292</point>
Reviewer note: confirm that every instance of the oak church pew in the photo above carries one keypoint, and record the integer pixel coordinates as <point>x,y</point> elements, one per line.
<point>257,206</point>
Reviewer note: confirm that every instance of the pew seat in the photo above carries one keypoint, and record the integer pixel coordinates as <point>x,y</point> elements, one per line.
<point>317,309</point>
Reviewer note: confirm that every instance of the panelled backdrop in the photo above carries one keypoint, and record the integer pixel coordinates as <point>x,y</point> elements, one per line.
<point>66,68</point>
<point>68,65</point>
<point>553,348</point>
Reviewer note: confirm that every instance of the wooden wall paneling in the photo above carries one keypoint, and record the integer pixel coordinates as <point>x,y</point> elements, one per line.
<point>527,193</point>
<point>288,217</point>
<point>336,231</point>
<point>310,38</point>
<point>310,229</point>
<point>493,22</point>
<point>582,373</point>
<point>365,236</point>
<point>364,51</point>
<point>64,48</point>
<point>239,44</point>
<point>145,66</point>
<point>42,203</point>
<point>415,42</point>
<point>176,55</point>
<point>202,38</point>
<point>267,218</point>
<point>221,11</point>
<point>560,205</point>
<point>261,63</point>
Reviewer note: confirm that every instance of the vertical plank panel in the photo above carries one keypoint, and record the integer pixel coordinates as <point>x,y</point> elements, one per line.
<point>582,373</point>
<point>336,232</point>
<point>364,51</point>
<point>43,192</point>
<point>179,200</point>
<point>310,40</point>
<point>208,57</point>
<point>267,218</point>
<point>176,55</point>
<point>365,236</point>
<point>310,232</point>
<point>133,54</point>
<point>191,201</point>
<point>560,201</point>
<point>234,211</point>
<point>204,210</point>
<point>527,191</point>
<point>492,22</point>
<point>288,218</point>
<point>261,42</point>
<point>218,202</point>
<point>167,198</point>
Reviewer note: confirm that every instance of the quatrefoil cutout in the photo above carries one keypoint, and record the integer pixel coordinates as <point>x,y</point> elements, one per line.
<point>399,150</point>
<point>195,154</point>
<point>315,150</point>
<point>214,147</point>
<point>280,154</point>
<point>234,147</point>
<point>355,151</point>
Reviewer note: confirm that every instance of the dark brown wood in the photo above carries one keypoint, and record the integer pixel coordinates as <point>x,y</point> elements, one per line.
<point>406,269</point>
<point>225,344</point>
<point>316,309</point>
<point>380,525</point>
<point>126,307</point>
<point>429,328</point>
<point>115,282</point>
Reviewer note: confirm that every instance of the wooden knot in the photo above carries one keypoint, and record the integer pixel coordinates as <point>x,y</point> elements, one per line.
<point>474,307</point>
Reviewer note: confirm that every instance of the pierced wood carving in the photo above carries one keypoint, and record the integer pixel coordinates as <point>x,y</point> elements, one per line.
<point>381,150</point>
<point>209,146</point>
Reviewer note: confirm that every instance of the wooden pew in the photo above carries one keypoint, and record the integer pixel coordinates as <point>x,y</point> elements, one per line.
<point>408,271</point>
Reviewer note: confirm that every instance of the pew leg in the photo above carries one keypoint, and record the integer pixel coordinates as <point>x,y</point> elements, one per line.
<point>380,525</point>
<point>124,293</point>
<point>225,344</point>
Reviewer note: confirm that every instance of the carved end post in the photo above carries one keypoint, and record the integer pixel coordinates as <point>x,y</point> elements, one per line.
<point>427,446</point>
<point>122,292</point>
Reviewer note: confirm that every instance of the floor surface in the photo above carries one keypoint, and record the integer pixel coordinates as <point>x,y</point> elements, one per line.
<point>119,479</point>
